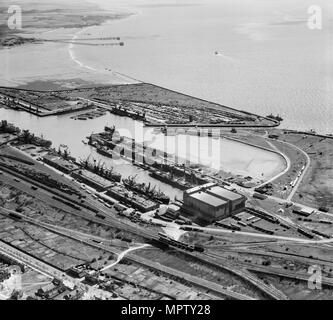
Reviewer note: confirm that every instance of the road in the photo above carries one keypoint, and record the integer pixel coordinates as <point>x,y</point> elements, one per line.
<point>281,173</point>
<point>308,163</point>
<point>123,254</point>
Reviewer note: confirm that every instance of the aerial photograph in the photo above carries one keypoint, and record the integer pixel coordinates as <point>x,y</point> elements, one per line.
<point>166,150</point>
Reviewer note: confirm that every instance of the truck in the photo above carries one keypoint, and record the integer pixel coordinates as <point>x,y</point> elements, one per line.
<point>303,211</point>
<point>259,196</point>
<point>119,207</point>
<point>100,216</point>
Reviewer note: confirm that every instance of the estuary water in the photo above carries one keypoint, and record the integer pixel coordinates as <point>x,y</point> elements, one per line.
<point>253,55</point>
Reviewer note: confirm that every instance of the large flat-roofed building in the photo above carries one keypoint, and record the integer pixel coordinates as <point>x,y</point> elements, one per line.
<point>92,180</point>
<point>235,200</point>
<point>211,202</point>
<point>132,199</point>
<point>60,163</point>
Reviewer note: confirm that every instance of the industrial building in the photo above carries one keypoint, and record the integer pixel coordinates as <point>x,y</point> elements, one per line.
<point>60,164</point>
<point>92,180</point>
<point>211,202</point>
<point>132,199</point>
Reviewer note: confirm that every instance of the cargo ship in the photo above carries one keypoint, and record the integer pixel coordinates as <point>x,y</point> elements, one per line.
<point>119,111</point>
<point>168,178</point>
<point>277,118</point>
<point>100,169</point>
<point>105,152</point>
<point>142,188</point>
<point>139,202</point>
<point>110,130</point>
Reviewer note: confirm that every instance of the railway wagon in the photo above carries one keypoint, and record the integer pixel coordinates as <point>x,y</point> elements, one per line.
<point>243,224</point>
<point>199,248</point>
<point>305,233</point>
<point>325,222</point>
<point>171,242</point>
<point>301,213</point>
<point>229,227</point>
<point>270,232</point>
<point>259,196</point>
<point>321,234</point>
<point>15,216</point>
<point>100,216</point>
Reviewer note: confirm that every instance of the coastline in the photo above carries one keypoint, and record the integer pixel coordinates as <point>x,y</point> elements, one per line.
<point>54,65</point>
<point>71,51</point>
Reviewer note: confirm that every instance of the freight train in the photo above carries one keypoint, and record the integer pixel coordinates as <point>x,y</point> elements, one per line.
<point>163,238</point>
<point>229,227</point>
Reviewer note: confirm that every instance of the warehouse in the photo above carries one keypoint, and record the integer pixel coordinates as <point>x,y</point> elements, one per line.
<point>60,164</point>
<point>132,199</point>
<point>211,202</point>
<point>236,202</point>
<point>92,180</point>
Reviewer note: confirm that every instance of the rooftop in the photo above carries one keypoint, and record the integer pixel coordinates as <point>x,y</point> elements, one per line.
<point>208,199</point>
<point>95,178</point>
<point>224,193</point>
<point>61,162</point>
<point>198,188</point>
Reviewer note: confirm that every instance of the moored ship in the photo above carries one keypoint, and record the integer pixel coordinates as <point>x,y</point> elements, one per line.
<point>145,189</point>
<point>101,170</point>
<point>168,178</point>
<point>277,118</point>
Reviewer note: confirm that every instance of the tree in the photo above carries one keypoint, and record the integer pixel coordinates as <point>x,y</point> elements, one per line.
<point>16,294</point>
<point>27,137</point>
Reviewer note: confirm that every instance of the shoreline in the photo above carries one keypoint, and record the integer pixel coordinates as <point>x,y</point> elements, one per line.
<point>70,21</point>
<point>71,46</point>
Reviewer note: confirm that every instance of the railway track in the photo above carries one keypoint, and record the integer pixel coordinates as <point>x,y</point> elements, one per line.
<point>243,273</point>
<point>76,236</point>
<point>83,238</point>
<point>291,275</point>
<point>108,221</point>
<point>292,225</point>
<point>283,273</point>
<point>142,261</point>
<point>112,222</point>
<point>285,256</point>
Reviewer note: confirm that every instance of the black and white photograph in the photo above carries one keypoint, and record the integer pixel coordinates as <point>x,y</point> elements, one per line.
<point>166,155</point>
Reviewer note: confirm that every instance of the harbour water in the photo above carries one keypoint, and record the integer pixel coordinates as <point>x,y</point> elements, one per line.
<point>221,154</point>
